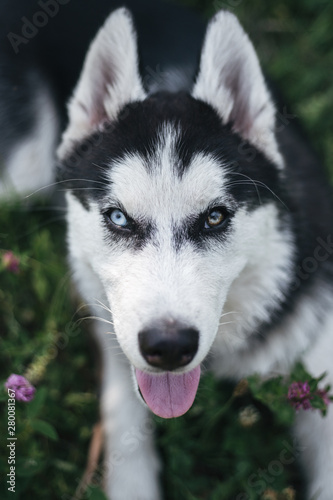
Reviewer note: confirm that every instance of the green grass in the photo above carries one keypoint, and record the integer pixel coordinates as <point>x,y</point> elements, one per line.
<point>40,338</point>
<point>225,448</point>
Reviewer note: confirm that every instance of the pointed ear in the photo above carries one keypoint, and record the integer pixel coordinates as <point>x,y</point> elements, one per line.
<point>231,81</point>
<point>109,79</point>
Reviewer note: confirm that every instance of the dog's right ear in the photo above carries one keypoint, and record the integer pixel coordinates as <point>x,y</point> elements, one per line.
<point>109,80</point>
<point>231,81</point>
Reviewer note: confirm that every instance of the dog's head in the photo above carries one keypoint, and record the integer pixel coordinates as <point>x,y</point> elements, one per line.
<point>174,204</point>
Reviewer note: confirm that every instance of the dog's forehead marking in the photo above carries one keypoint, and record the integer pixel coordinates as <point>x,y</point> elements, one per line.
<point>155,189</point>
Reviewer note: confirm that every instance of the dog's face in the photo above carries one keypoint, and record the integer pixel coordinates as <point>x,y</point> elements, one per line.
<point>171,204</point>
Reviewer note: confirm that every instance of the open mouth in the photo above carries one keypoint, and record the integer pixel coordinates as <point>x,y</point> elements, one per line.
<point>169,394</point>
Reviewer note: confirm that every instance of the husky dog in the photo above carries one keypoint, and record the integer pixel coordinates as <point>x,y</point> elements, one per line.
<point>198,228</point>
<point>185,207</point>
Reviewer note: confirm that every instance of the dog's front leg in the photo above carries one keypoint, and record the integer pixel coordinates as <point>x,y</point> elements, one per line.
<point>315,443</point>
<point>131,464</point>
<point>314,432</point>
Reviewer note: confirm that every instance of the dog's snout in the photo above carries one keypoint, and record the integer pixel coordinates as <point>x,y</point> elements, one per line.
<point>169,345</point>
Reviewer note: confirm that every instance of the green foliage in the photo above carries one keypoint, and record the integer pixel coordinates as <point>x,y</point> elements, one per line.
<point>219,448</point>
<point>40,338</point>
<point>273,393</point>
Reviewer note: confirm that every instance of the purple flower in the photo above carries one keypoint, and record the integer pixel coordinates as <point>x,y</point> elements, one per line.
<point>324,395</point>
<point>11,262</point>
<point>298,390</point>
<point>299,395</point>
<point>24,391</point>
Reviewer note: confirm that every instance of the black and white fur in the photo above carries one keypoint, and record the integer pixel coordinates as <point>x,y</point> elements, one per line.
<point>165,159</point>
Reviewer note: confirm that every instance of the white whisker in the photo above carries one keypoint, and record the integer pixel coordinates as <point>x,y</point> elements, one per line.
<point>52,184</point>
<point>227,323</point>
<point>98,318</point>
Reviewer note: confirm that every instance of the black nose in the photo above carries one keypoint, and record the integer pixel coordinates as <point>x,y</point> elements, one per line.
<point>169,344</point>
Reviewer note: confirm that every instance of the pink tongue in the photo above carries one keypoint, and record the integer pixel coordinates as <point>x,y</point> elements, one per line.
<point>169,395</point>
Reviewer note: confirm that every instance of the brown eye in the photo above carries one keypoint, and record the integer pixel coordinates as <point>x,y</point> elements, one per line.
<point>214,218</point>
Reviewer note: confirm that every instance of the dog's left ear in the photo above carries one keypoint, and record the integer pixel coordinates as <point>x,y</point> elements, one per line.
<point>231,81</point>
<point>109,80</point>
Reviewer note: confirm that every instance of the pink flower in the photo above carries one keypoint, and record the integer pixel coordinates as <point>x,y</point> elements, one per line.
<point>11,262</point>
<point>299,395</point>
<point>24,391</point>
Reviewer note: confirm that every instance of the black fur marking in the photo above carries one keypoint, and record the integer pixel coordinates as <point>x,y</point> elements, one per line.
<point>137,234</point>
<point>138,131</point>
<point>310,219</point>
<point>300,193</point>
<point>193,230</point>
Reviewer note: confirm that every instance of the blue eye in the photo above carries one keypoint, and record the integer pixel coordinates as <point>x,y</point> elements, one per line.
<point>118,218</point>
